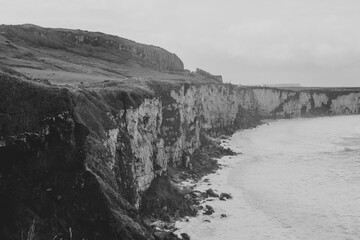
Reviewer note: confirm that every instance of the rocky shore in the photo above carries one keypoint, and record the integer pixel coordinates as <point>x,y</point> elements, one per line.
<point>170,199</point>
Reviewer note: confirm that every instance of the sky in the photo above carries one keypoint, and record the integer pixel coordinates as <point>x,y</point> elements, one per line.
<point>250,42</point>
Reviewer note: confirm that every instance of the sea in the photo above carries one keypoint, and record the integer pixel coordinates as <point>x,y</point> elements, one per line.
<point>296,179</point>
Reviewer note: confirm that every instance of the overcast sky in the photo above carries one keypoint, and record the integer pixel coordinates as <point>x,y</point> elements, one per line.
<point>311,42</point>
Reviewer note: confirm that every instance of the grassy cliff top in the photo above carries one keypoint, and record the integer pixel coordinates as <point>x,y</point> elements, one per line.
<point>76,58</point>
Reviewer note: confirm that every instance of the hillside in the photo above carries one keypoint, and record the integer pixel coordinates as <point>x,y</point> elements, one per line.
<point>63,56</point>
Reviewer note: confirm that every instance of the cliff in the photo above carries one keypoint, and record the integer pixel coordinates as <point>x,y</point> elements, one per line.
<point>79,154</point>
<point>280,103</point>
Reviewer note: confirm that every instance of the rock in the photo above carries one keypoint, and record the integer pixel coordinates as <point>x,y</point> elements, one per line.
<point>173,235</point>
<point>209,210</point>
<point>160,235</point>
<point>211,193</point>
<point>147,222</point>
<point>177,214</point>
<point>157,224</point>
<point>187,162</point>
<point>196,193</point>
<point>194,208</point>
<point>190,166</point>
<point>223,215</point>
<point>225,196</point>
<point>169,226</point>
<point>185,236</point>
<point>209,207</point>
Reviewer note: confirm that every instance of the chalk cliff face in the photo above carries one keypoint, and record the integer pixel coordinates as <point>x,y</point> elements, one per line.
<point>144,145</point>
<point>193,110</point>
<point>266,102</point>
<point>346,104</point>
<point>142,140</point>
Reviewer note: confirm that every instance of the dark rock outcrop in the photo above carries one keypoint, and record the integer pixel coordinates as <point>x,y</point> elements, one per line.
<point>208,210</point>
<point>211,193</point>
<point>185,236</point>
<point>224,196</point>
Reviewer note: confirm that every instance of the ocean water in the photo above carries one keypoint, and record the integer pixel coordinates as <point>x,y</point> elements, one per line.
<point>296,179</point>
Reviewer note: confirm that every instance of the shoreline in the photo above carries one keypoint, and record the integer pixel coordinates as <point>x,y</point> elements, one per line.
<point>180,199</point>
<point>216,182</point>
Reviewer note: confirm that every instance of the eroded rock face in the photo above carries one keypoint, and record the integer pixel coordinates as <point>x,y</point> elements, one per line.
<point>208,108</point>
<point>346,104</point>
<point>143,125</point>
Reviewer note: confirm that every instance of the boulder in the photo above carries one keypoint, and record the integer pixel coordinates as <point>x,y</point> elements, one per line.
<point>208,210</point>
<point>211,193</point>
<point>185,236</point>
<point>160,235</point>
<point>225,196</point>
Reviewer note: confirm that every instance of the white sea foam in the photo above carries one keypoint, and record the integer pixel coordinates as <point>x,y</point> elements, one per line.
<point>297,179</point>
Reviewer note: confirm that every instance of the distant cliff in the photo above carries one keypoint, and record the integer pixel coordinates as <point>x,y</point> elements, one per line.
<point>279,103</point>
<point>77,157</point>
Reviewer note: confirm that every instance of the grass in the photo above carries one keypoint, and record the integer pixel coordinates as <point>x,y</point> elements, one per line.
<point>23,105</point>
